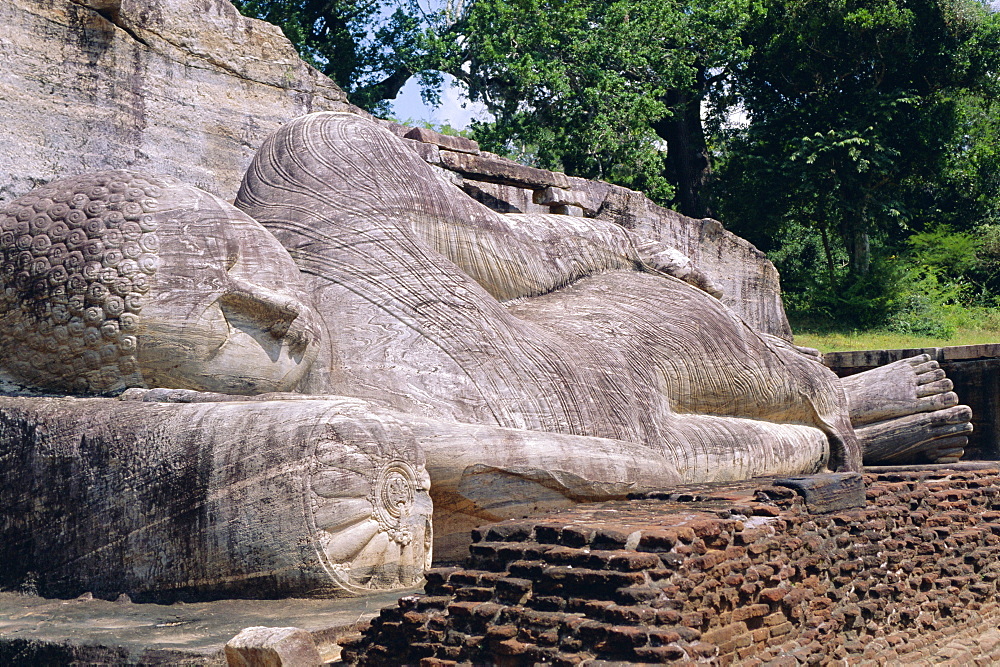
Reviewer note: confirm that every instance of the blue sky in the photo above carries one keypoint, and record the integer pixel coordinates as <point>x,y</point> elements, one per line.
<point>455,109</point>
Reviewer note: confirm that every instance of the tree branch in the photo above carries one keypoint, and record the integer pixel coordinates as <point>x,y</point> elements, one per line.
<point>389,87</point>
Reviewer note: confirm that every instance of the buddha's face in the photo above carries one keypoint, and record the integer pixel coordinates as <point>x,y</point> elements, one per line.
<point>225,310</point>
<point>115,279</point>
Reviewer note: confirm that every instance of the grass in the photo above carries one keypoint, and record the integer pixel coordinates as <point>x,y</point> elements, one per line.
<point>839,341</point>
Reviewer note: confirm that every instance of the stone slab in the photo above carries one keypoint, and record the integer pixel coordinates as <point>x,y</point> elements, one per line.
<point>962,466</point>
<point>856,361</point>
<point>831,492</point>
<point>447,141</point>
<point>859,360</point>
<point>502,198</point>
<point>494,168</point>
<point>35,630</point>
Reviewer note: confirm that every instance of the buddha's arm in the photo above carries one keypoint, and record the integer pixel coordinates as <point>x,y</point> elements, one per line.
<point>522,255</point>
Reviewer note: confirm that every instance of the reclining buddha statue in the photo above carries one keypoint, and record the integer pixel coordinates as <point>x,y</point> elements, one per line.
<point>356,337</point>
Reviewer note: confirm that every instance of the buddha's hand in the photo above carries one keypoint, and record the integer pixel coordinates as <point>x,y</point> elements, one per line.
<point>662,258</point>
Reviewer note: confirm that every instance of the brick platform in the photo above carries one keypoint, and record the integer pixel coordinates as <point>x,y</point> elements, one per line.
<point>738,573</point>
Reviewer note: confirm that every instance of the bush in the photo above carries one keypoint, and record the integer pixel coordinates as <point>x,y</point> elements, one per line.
<point>942,281</point>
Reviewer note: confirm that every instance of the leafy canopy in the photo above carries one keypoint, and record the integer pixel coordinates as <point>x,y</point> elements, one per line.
<point>857,111</point>
<point>370,48</point>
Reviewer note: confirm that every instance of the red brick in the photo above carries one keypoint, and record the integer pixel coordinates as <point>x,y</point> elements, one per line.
<point>725,633</point>
<point>706,527</point>
<point>782,629</point>
<point>750,611</point>
<point>773,594</point>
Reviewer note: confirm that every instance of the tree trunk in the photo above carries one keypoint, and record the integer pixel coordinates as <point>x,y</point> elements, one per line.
<point>858,250</point>
<point>688,165</point>
<point>828,253</point>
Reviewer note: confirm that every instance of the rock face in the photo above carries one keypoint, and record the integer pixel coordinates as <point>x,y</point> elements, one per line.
<point>749,282</point>
<point>185,88</point>
<point>518,361</point>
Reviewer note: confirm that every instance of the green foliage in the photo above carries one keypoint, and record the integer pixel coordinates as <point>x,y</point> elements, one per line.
<point>828,339</point>
<point>854,109</point>
<point>965,193</point>
<point>595,87</point>
<point>367,49</point>
<point>933,288</point>
<point>577,81</point>
<point>987,269</point>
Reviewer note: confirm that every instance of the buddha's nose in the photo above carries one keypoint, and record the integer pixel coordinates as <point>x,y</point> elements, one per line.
<point>275,312</point>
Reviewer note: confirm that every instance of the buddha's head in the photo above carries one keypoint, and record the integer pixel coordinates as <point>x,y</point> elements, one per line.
<point>115,279</point>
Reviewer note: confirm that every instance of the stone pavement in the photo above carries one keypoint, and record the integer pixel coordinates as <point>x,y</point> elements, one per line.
<point>37,631</point>
<point>977,643</point>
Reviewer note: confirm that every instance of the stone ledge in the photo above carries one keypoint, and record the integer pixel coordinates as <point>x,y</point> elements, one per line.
<point>858,360</point>
<point>489,167</point>
<point>446,141</point>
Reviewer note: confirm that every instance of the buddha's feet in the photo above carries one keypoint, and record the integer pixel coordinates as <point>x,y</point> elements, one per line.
<point>905,387</point>
<point>936,437</point>
<point>906,412</point>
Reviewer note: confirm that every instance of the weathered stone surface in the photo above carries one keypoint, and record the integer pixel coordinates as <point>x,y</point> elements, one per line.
<point>503,198</point>
<point>547,323</point>
<point>749,282</point>
<point>831,492</point>
<point>579,198</point>
<point>220,307</point>
<point>491,167</point>
<point>568,209</point>
<point>906,411</point>
<point>40,631</point>
<point>859,360</point>
<point>165,501</point>
<point>272,647</point>
<point>429,153</point>
<point>136,84</point>
<point>185,88</point>
<point>114,280</point>
<point>451,143</point>
<point>938,437</point>
<point>538,360</point>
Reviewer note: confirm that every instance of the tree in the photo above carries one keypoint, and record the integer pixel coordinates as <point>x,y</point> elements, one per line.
<point>852,104</point>
<point>600,88</point>
<point>370,48</point>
